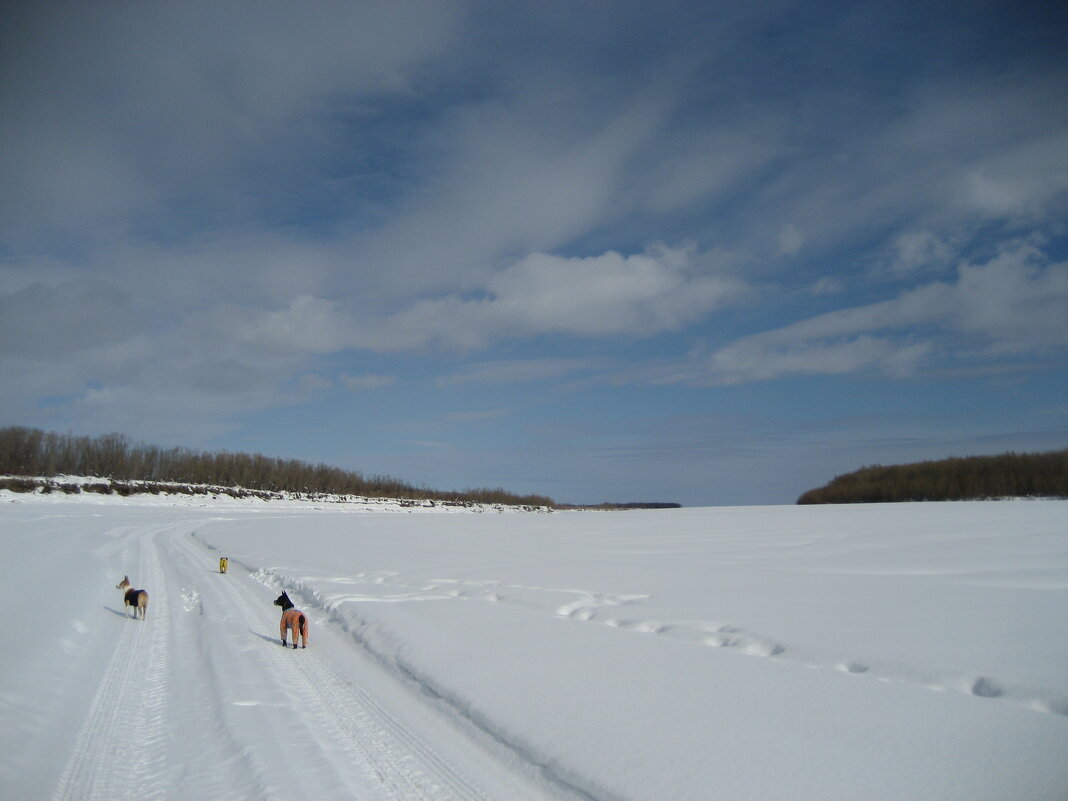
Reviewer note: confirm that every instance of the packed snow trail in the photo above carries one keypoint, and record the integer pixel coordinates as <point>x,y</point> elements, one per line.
<point>120,751</point>
<point>257,720</point>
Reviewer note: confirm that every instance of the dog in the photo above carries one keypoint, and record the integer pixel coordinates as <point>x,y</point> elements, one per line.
<point>292,619</point>
<point>138,599</point>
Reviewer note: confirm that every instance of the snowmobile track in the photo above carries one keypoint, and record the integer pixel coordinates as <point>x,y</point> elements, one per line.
<point>119,750</point>
<point>326,721</point>
<point>349,720</point>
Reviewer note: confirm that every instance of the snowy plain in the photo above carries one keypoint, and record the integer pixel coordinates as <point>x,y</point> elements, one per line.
<point>907,651</point>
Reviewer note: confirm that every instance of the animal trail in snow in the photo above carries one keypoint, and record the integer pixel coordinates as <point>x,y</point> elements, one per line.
<point>604,608</point>
<point>191,601</point>
<point>985,688</point>
<point>853,667</point>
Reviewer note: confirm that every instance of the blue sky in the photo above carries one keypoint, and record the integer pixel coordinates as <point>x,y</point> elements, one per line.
<point>620,251</point>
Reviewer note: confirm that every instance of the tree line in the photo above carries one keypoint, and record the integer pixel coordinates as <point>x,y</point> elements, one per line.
<point>33,452</point>
<point>1008,475</point>
<point>615,507</point>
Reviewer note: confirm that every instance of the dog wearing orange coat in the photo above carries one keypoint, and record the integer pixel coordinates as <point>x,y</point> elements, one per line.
<point>294,619</point>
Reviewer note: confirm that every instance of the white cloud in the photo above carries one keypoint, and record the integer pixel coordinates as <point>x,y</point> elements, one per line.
<point>1012,304</point>
<point>307,325</point>
<point>790,240</point>
<point>953,154</point>
<point>75,315</point>
<point>827,285</point>
<point>602,295</point>
<point>514,177</point>
<point>709,163</point>
<point>359,383</point>
<point>660,290</point>
<point>920,251</point>
<point>112,113</point>
<point>757,359</point>
<point>1022,179</point>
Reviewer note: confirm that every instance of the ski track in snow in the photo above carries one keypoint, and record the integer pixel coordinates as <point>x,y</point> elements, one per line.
<point>602,608</point>
<point>343,742</point>
<point>119,751</point>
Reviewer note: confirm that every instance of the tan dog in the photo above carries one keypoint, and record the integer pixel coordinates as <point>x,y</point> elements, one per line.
<point>292,619</point>
<point>138,599</point>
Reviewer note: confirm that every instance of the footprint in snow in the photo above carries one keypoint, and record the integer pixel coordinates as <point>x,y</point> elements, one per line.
<point>853,667</point>
<point>985,688</point>
<point>721,641</point>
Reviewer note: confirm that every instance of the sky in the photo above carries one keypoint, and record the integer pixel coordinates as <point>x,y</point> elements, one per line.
<point>697,252</point>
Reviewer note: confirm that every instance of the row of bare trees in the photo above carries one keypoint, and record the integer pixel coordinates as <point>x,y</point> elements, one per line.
<point>32,452</point>
<point>1009,475</point>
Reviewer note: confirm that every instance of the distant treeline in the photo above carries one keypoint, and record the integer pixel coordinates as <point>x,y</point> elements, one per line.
<point>32,452</point>
<point>1009,475</point>
<point>612,507</point>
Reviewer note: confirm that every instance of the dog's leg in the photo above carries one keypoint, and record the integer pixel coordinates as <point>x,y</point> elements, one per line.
<point>282,632</point>
<point>303,625</point>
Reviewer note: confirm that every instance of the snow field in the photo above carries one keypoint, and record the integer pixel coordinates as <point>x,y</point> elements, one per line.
<point>839,645</point>
<point>878,652</point>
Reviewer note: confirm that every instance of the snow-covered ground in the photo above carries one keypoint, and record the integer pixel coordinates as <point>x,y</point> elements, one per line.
<point>913,651</point>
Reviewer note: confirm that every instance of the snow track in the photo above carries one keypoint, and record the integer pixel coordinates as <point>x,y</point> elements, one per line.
<point>368,748</point>
<point>119,751</point>
<point>325,722</point>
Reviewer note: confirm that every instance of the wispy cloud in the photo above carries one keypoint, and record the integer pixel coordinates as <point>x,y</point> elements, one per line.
<point>360,383</point>
<point>542,294</point>
<point>518,371</point>
<point>235,100</point>
<point>1013,304</point>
